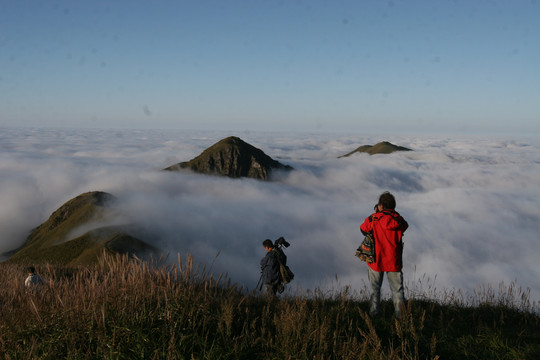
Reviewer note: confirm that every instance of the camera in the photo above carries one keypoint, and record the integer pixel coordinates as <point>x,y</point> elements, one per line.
<point>281,241</point>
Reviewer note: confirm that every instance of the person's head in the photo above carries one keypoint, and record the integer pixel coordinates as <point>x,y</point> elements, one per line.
<point>31,270</point>
<point>387,201</point>
<point>268,244</point>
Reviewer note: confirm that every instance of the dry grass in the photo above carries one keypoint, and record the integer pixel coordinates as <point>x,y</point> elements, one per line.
<point>127,309</point>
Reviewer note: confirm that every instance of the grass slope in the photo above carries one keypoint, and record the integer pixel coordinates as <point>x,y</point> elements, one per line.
<point>51,242</point>
<point>125,309</point>
<point>86,249</point>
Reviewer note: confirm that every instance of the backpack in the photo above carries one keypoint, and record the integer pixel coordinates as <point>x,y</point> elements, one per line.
<point>366,250</point>
<point>286,274</point>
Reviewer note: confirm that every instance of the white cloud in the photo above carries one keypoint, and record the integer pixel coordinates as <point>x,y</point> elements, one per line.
<point>473,204</point>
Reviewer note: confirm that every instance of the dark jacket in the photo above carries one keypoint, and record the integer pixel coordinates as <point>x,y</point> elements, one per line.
<point>270,266</point>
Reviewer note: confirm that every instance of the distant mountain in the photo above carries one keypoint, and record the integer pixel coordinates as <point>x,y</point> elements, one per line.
<point>383,147</point>
<point>60,240</point>
<point>234,158</point>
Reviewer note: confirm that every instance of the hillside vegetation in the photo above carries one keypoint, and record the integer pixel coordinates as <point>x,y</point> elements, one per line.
<point>128,309</point>
<point>56,240</point>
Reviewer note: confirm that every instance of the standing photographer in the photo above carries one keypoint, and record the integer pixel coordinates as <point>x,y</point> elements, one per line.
<point>387,226</point>
<point>271,274</point>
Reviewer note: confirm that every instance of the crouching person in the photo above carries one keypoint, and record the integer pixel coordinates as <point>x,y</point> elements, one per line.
<point>33,281</point>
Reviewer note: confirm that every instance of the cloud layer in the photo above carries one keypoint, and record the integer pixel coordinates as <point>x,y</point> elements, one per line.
<point>473,204</point>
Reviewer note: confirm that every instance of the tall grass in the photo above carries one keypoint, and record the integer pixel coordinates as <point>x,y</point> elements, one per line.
<point>128,309</point>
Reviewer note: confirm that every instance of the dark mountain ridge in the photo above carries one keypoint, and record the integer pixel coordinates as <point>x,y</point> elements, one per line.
<point>232,157</point>
<point>383,147</point>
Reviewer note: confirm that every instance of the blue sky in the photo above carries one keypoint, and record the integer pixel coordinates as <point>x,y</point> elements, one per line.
<point>348,66</point>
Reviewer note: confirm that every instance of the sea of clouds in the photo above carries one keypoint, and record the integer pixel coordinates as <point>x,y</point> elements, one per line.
<point>472,203</point>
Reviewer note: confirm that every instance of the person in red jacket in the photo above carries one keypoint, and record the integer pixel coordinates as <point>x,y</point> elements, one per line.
<point>387,227</point>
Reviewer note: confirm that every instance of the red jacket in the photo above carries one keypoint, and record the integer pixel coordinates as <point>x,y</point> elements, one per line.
<point>388,228</point>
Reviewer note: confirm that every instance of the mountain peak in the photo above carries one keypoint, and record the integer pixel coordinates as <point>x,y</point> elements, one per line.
<point>232,157</point>
<point>383,147</point>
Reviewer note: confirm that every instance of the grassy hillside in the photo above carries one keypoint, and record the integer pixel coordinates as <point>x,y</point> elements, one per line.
<point>86,249</point>
<point>55,230</point>
<point>124,309</point>
<point>55,241</point>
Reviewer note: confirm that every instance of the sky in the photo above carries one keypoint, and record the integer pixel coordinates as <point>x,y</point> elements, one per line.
<point>472,203</point>
<point>346,66</point>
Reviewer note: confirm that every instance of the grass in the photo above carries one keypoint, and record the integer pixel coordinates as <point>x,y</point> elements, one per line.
<point>127,309</point>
